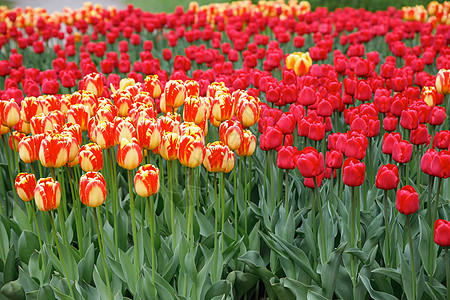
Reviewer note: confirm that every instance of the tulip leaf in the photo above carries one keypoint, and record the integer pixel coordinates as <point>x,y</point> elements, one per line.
<point>312,295</point>
<point>21,218</point>
<point>427,248</point>
<point>5,242</point>
<point>391,273</point>
<point>13,290</point>
<point>101,286</point>
<point>28,283</point>
<point>281,291</point>
<point>86,264</point>
<point>220,288</point>
<point>376,295</point>
<point>128,270</point>
<point>46,292</point>
<point>206,228</point>
<point>10,269</point>
<point>330,271</point>
<point>28,243</point>
<point>242,282</point>
<point>406,277</point>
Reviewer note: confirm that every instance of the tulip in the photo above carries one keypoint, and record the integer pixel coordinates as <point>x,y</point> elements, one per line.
<point>407,201</point>
<point>442,233</point>
<point>148,133</point>
<point>196,110</point>
<point>104,135</point>
<point>14,140</point>
<point>356,145</point>
<point>216,157</point>
<point>54,151</point>
<point>78,114</point>
<point>387,177</point>
<point>10,113</point>
<point>124,129</point>
<point>248,144</point>
<point>442,139</point>
<point>153,86</point>
<point>222,107</point>
<point>334,159</point>
<point>129,154</point>
<point>409,119</point>
<point>231,134</point>
<point>440,165</point>
<point>47,194</point>
<point>174,94</point>
<point>402,151</point>
<point>191,150</point>
<point>353,172</point>
<point>93,83</point>
<point>168,147</point>
<point>310,162</point>
<point>91,157</point>
<point>29,148</point>
<point>92,189</point>
<point>443,81</point>
<point>389,139</point>
<point>248,110</point>
<point>42,124</point>
<point>146,180</point>
<point>285,159</point>
<point>420,135</point>
<point>25,184</point>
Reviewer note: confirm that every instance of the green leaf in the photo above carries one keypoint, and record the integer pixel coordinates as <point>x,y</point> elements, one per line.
<point>28,243</point>
<point>5,242</point>
<point>13,290</point>
<point>330,271</point>
<point>86,264</point>
<point>206,228</point>
<point>428,257</point>
<point>21,218</point>
<point>299,289</point>
<point>242,282</point>
<point>406,277</point>
<point>221,287</point>
<point>10,270</point>
<point>281,291</point>
<point>46,292</point>
<point>28,283</point>
<point>376,295</point>
<point>391,273</point>
<point>312,295</point>
<point>101,286</point>
<point>128,270</point>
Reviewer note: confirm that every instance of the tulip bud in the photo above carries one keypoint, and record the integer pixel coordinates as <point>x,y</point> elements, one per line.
<point>191,150</point>
<point>231,134</point>
<point>174,94</point>
<point>407,201</point>
<point>387,177</point>
<point>93,83</point>
<point>25,184</point>
<point>443,81</point>
<point>146,181</point>
<point>442,233</point>
<point>248,144</point>
<point>353,172</point>
<point>92,189</point>
<point>129,154</point>
<point>91,158</point>
<point>216,157</point>
<point>47,194</point>
<point>153,86</point>
<point>104,135</point>
<point>10,113</point>
<point>169,146</point>
<point>54,151</point>
<point>309,161</point>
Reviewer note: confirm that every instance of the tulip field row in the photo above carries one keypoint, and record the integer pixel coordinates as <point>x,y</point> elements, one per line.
<point>227,151</point>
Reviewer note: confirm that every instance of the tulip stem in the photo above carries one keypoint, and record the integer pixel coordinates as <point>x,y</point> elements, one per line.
<point>430,189</point>
<point>322,229</point>
<point>235,206</point>
<point>190,228</point>
<point>245,194</point>
<point>286,190</point>
<point>38,233</point>
<point>418,168</point>
<point>447,272</point>
<point>101,247</point>
<point>411,250</point>
<point>172,208</point>
<point>352,236</point>
<point>216,217</point>
<point>16,161</point>
<point>386,228</point>
<point>332,189</point>
<point>222,200</point>
<point>60,254</point>
<point>115,200</point>
<point>436,202</point>
<point>133,223</point>
<point>76,206</point>
<point>272,180</point>
<point>152,232</point>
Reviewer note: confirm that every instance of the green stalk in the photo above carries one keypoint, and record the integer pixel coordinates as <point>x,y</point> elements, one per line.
<point>430,190</point>
<point>133,223</point>
<point>38,233</point>
<point>102,251</point>
<point>411,250</point>
<point>418,169</point>
<point>216,217</point>
<point>172,207</point>
<point>245,194</point>
<point>76,206</point>
<point>235,206</point>
<point>191,208</point>
<point>11,177</point>
<point>322,229</point>
<point>286,190</point>
<point>60,254</point>
<point>16,160</point>
<point>352,237</point>
<point>152,232</point>
<point>222,206</point>
<point>115,200</point>
<point>332,189</point>
<point>436,202</point>
<point>386,228</point>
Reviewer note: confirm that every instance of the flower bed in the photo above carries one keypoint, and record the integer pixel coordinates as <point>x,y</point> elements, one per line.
<point>228,151</point>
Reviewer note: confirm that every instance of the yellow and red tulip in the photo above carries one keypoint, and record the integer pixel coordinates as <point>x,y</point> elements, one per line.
<point>153,86</point>
<point>168,148</point>
<point>91,158</point>
<point>222,107</point>
<point>25,184</point>
<point>17,136</point>
<point>47,194</point>
<point>124,129</point>
<point>79,114</point>
<point>92,189</point>
<point>54,151</point>
<point>443,81</point>
<point>29,108</point>
<point>23,127</point>
<point>192,88</point>
<point>196,110</point>
<point>42,124</point>
<point>231,134</point>
<point>29,148</point>
<point>10,113</point>
<point>248,110</point>
<point>104,135</point>
<point>248,144</point>
<point>148,133</point>
<point>129,154</point>
<point>146,181</point>
<point>191,150</point>
<point>174,94</point>
<point>216,157</point>
<point>93,83</point>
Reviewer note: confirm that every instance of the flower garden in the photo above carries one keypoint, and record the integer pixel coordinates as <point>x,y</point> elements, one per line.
<point>226,151</point>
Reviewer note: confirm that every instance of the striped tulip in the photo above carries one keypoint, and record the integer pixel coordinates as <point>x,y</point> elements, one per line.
<point>230,162</point>
<point>192,88</point>
<point>106,112</point>
<point>222,107</point>
<point>231,134</point>
<point>10,113</point>
<point>74,146</point>
<point>29,148</point>
<point>248,111</point>
<point>17,137</point>
<point>92,189</point>
<point>174,93</point>
<point>23,127</point>
<point>146,181</point>
<point>74,130</point>
<point>129,154</point>
<point>196,109</point>
<point>91,158</point>
<point>47,194</point>
<point>248,144</point>
<point>124,129</point>
<point>25,184</point>
<point>191,150</point>
<point>139,112</point>
<point>429,95</point>
<point>216,157</point>
<point>169,146</point>
<point>42,124</point>
<point>170,123</point>
<point>148,133</point>
<point>29,108</point>
<point>54,151</point>
<point>443,81</point>
<point>153,86</point>
<point>79,114</point>
<point>104,135</point>
<point>93,83</point>
<point>124,102</point>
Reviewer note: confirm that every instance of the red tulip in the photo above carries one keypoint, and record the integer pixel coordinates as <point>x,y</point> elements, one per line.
<point>334,159</point>
<point>353,172</point>
<point>402,151</point>
<point>440,165</point>
<point>407,201</point>
<point>285,159</point>
<point>442,233</point>
<point>387,177</point>
<point>309,161</point>
<point>389,139</point>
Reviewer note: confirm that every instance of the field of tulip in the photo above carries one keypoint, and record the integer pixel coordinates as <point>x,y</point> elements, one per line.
<point>229,151</point>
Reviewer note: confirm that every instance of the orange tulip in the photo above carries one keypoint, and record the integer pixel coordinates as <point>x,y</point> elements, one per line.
<point>25,184</point>
<point>106,112</point>
<point>139,112</point>
<point>74,130</point>
<point>92,189</point>
<point>123,101</point>
<point>248,144</point>
<point>170,123</point>
<point>129,154</point>
<point>88,99</point>
<point>192,88</point>
<point>146,181</point>
<point>54,151</point>
<point>231,134</point>
<point>148,133</point>
<point>47,194</point>
<point>91,158</point>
